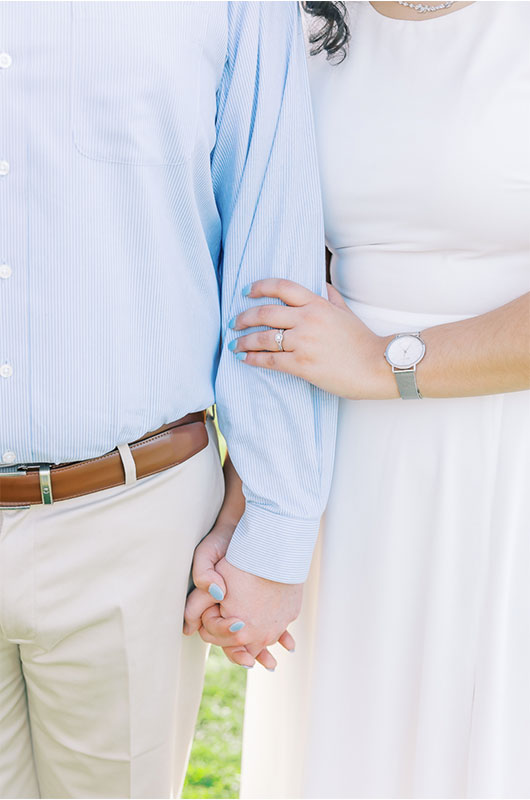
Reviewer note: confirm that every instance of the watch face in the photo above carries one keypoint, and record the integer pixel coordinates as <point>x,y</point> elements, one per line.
<point>405,351</point>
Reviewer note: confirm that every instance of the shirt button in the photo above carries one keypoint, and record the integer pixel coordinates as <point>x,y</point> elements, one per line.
<point>9,457</point>
<point>5,271</point>
<point>6,370</point>
<point>5,60</point>
<point>4,167</point>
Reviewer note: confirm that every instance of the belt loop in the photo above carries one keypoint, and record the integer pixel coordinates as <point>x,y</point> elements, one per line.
<point>129,466</point>
<point>45,482</point>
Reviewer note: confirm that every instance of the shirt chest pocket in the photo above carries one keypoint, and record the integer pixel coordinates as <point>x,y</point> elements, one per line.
<point>135,80</point>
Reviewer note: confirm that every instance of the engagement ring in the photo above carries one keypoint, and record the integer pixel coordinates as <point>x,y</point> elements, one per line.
<point>279,340</point>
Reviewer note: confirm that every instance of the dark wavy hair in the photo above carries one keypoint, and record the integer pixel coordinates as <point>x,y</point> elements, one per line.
<point>333,35</point>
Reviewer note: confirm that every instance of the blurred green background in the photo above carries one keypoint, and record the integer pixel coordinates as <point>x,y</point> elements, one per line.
<point>215,761</point>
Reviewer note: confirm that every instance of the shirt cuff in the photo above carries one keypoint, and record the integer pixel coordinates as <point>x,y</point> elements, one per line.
<point>272,546</point>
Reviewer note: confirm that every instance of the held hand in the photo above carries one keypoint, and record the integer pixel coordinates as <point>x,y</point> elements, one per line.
<point>211,588</point>
<point>203,601</point>
<point>203,612</point>
<point>217,628</point>
<point>266,607</point>
<point>324,342</point>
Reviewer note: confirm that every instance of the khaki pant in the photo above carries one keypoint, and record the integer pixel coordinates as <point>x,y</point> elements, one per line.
<point>99,690</point>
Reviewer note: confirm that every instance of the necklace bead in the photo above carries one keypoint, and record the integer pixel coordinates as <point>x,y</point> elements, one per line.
<point>422,8</point>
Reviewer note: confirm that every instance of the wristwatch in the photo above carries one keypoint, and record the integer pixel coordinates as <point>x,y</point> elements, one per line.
<point>404,352</point>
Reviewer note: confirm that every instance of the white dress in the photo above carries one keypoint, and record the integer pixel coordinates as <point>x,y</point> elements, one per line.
<point>412,671</point>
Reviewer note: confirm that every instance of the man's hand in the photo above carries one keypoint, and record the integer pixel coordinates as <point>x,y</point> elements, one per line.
<point>266,608</point>
<point>210,586</point>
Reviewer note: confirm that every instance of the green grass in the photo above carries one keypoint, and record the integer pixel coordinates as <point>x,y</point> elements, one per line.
<point>215,761</point>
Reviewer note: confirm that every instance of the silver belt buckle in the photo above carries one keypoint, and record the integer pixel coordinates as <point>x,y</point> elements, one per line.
<point>45,483</point>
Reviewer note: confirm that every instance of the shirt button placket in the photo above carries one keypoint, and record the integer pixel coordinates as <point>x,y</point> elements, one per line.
<point>6,370</point>
<point>15,439</point>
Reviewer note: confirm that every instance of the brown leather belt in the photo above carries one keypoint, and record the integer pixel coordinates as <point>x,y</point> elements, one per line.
<point>166,447</point>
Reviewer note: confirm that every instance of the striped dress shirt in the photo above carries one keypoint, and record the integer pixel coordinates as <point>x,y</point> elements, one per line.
<point>155,158</point>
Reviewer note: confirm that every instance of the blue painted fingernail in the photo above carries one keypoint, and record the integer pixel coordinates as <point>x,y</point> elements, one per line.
<point>232,323</point>
<point>240,356</point>
<point>232,345</point>
<point>236,626</point>
<point>246,666</point>
<point>270,669</point>
<point>216,592</point>
<point>247,290</point>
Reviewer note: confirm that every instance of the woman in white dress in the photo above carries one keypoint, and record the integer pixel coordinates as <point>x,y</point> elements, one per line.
<point>412,671</point>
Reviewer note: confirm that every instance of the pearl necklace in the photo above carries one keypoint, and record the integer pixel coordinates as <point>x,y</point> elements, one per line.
<point>421,8</point>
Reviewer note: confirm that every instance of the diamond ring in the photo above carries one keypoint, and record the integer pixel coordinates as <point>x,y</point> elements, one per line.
<point>279,339</point>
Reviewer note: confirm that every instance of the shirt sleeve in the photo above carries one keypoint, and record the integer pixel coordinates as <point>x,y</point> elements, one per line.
<point>280,430</point>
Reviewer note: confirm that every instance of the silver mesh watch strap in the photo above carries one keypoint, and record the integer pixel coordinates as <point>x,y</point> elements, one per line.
<point>406,381</point>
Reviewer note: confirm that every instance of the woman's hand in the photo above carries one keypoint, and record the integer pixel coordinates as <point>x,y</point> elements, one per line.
<point>324,342</point>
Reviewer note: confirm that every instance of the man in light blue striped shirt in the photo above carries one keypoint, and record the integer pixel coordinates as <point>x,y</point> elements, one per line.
<point>155,158</point>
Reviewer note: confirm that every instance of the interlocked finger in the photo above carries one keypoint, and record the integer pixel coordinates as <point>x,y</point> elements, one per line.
<point>240,656</point>
<point>267,660</point>
<point>222,631</point>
